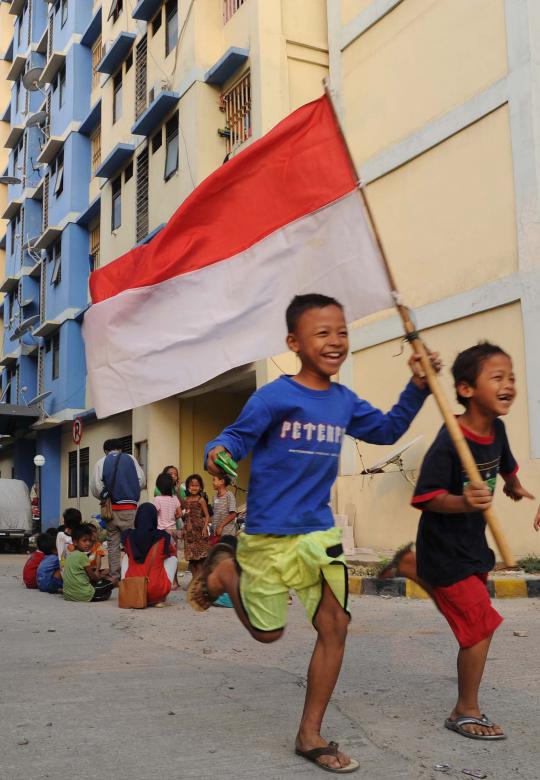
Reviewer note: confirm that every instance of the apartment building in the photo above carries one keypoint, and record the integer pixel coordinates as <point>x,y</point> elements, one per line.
<point>137,101</point>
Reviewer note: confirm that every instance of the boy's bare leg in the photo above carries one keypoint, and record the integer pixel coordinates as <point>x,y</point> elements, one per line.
<point>331,624</point>
<point>225,579</point>
<point>407,568</point>
<point>470,666</point>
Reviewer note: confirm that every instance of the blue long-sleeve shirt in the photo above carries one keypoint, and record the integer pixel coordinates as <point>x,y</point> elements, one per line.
<point>295,434</point>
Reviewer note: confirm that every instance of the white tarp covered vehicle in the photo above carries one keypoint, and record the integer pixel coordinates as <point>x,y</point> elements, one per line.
<point>16,523</point>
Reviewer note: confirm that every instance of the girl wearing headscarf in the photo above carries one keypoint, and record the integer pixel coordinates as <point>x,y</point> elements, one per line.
<point>159,566</point>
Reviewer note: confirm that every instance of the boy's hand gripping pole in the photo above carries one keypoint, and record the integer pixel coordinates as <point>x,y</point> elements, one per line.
<point>418,346</point>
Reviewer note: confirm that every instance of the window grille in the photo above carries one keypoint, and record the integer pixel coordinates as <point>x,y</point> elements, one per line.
<point>142,195</point>
<point>41,370</point>
<point>46,201</point>
<point>59,174</point>
<point>50,41</point>
<point>171,26</point>
<point>97,51</point>
<point>115,10</point>
<point>116,212</point>
<point>56,257</point>
<point>126,444</point>
<point>61,86</point>
<point>117,96</point>
<point>56,355</point>
<point>43,292</point>
<point>95,245</point>
<point>171,154</point>
<point>230,7</point>
<point>63,12</point>
<point>84,474</point>
<point>237,104</point>
<point>141,77</point>
<point>95,142</point>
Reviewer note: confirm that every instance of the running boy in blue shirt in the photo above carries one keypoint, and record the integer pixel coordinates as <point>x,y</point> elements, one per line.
<point>295,427</point>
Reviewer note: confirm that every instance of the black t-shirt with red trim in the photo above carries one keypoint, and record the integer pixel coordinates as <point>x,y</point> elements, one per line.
<point>451,547</point>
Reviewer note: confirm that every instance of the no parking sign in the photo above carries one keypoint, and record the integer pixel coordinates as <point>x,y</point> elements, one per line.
<point>77,430</point>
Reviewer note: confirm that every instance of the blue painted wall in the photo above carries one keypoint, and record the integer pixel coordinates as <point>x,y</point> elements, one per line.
<point>48,444</point>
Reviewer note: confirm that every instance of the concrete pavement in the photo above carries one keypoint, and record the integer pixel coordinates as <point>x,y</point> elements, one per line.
<point>91,691</point>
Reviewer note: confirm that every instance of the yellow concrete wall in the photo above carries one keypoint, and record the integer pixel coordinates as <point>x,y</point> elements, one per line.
<point>94,434</point>
<point>201,419</point>
<point>158,425</point>
<point>421,60</point>
<point>384,518</point>
<point>447,217</point>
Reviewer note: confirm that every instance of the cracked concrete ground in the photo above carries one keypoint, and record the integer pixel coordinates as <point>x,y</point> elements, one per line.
<point>93,691</point>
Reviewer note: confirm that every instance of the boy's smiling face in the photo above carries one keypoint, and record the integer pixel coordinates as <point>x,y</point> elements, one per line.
<point>321,340</point>
<point>495,387</point>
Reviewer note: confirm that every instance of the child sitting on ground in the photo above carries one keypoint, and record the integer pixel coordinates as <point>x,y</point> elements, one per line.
<point>453,558</point>
<point>295,427</point>
<point>97,551</point>
<point>167,504</point>
<point>81,580</point>
<point>49,576</point>
<point>72,518</point>
<point>45,545</point>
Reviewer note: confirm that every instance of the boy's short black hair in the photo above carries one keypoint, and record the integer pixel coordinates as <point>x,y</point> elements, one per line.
<point>53,532</point>
<point>46,543</point>
<point>84,529</point>
<point>468,364</point>
<point>72,517</point>
<point>226,478</point>
<point>303,303</point>
<point>165,484</point>
<point>110,445</point>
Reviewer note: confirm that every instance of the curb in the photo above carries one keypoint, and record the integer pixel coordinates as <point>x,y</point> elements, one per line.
<point>507,588</point>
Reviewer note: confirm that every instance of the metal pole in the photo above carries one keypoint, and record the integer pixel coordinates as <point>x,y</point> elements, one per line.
<point>40,501</point>
<point>79,475</point>
<point>413,337</point>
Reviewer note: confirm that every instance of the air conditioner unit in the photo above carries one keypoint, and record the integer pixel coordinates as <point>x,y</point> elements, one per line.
<point>159,86</point>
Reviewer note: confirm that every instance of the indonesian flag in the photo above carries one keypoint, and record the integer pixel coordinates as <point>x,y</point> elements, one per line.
<point>209,292</point>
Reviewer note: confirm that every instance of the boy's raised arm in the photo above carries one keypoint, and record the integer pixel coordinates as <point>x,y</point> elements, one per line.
<point>240,437</point>
<point>376,427</point>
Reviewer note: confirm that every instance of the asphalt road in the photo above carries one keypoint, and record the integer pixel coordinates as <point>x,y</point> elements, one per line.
<point>91,691</point>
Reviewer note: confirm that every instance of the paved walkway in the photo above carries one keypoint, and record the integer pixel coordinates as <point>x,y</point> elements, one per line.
<point>91,691</point>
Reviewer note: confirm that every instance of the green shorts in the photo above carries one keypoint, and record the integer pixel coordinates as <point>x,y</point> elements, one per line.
<point>270,566</point>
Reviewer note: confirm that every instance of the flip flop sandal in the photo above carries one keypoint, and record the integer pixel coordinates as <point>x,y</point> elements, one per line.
<point>391,569</point>
<point>198,596</point>
<point>330,750</point>
<point>457,726</point>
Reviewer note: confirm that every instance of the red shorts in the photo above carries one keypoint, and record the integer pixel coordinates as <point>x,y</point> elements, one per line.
<point>466,605</point>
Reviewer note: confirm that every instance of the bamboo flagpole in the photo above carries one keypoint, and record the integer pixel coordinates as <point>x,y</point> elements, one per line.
<point>418,346</point>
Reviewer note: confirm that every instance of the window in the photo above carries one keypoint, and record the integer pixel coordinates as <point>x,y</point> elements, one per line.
<point>117,96</point>
<point>55,343</point>
<point>95,142</point>
<point>171,158</point>
<point>17,96</point>
<point>56,257</point>
<point>59,173</point>
<point>126,444</point>
<point>115,10</point>
<point>61,86</point>
<point>97,51</point>
<point>94,246</point>
<point>156,22</point>
<point>230,7</point>
<point>141,456</point>
<point>128,172</point>
<point>63,12</point>
<point>84,472</point>
<point>237,103</point>
<point>171,26</point>
<point>129,61</point>
<point>116,214</point>
<point>157,140</point>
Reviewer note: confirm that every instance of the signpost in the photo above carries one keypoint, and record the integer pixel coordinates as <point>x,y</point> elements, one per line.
<point>77,431</point>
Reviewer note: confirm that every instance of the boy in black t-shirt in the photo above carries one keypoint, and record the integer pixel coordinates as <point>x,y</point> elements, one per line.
<point>452,556</point>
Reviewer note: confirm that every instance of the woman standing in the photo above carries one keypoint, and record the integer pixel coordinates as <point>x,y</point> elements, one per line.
<point>150,553</point>
<point>196,524</point>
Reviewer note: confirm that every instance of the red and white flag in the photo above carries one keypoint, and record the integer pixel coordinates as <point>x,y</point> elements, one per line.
<point>209,292</point>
